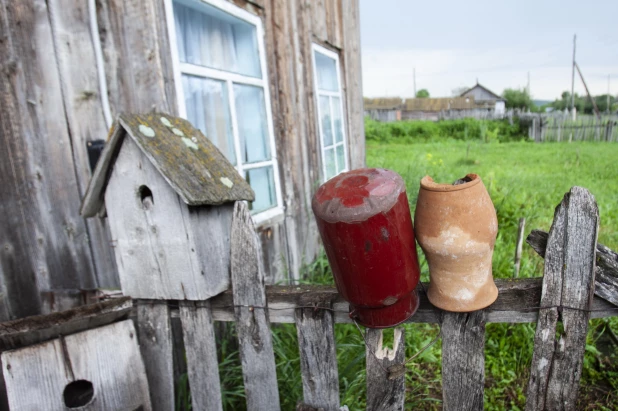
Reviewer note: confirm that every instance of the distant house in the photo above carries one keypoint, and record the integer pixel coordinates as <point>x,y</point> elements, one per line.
<point>383,108</point>
<point>485,99</point>
<point>430,108</point>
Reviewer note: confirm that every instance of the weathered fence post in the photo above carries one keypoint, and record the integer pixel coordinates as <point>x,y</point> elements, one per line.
<point>250,312</point>
<point>568,290</point>
<point>463,360</point>
<point>201,351</point>
<point>520,243</point>
<point>318,355</point>
<point>385,390</point>
<point>155,340</point>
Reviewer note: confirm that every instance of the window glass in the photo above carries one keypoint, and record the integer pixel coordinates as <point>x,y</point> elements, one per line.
<point>252,127</point>
<point>327,128</point>
<point>337,120</point>
<point>327,72</point>
<point>208,110</point>
<point>331,166</point>
<point>207,36</point>
<point>262,182</point>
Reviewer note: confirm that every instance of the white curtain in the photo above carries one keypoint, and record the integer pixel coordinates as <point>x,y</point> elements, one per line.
<point>252,128</point>
<point>209,38</point>
<point>327,72</point>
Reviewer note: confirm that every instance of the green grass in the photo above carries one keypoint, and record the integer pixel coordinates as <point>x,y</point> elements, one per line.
<point>524,180</point>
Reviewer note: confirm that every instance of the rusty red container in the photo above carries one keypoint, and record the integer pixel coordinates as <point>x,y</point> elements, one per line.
<point>364,220</point>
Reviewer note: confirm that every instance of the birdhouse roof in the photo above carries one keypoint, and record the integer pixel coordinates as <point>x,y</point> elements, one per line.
<point>198,172</point>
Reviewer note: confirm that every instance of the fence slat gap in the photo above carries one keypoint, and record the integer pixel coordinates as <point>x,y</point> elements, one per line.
<point>463,360</point>
<point>201,351</point>
<point>252,323</point>
<point>568,282</point>
<point>384,393</point>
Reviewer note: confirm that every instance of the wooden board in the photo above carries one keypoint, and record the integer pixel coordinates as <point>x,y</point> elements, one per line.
<point>606,270</point>
<point>108,357</point>
<point>164,250</point>
<point>85,118</point>
<point>518,302</point>
<point>201,349</point>
<point>463,360</point>
<point>252,324</point>
<point>44,240</point>
<point>318,357</point>
<point>568,291</point>
<point>36,329</point>
<point>155,340</point>
<point>385,389</point>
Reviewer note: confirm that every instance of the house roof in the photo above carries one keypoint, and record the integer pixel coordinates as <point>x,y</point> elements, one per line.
<point>439,104</point>
<point>382,103</point>
<point>191,164</point>
<point>496,96</point>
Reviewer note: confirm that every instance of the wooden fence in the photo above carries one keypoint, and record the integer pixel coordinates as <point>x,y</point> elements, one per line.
<point>563,128</point>
<point>567,293</point>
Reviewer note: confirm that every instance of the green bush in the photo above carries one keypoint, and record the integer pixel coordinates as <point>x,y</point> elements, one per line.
<point>430,131</point>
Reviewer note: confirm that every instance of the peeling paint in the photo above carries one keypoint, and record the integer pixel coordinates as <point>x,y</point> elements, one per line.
<point>190,143</point>
<point>147,131</point>
<point>226,181</point>
<point>178,132</point>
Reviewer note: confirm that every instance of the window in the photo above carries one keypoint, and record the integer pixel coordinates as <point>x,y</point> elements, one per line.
<point>222,87</point>
<point>330,112</point>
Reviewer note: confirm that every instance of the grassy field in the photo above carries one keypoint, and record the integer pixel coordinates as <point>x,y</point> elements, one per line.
<point>524,180</point>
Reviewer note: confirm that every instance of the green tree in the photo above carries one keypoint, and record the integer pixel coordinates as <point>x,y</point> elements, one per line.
<point>422,93</point>
<point>516,98</point>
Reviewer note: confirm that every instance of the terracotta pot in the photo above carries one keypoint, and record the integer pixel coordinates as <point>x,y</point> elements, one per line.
<point>456,226</point>
<point>366,227</point>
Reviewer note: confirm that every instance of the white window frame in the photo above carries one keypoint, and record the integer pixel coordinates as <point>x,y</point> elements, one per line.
<point>316,48</point>
<point>231,78</point>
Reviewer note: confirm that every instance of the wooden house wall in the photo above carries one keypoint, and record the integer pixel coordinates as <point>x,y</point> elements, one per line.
<point>51,107</point>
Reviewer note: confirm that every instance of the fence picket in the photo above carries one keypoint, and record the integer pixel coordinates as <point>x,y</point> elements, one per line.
<point>568,289</point>
<point>155,340</point>
<point>251,315</point>
<point>463,360</point>
<point>383,393</point>
<point>318,357</point>
<point>201,351</point>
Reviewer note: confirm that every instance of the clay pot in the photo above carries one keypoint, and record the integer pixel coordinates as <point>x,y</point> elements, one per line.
<point>366,227</point>
<point>456,226</point>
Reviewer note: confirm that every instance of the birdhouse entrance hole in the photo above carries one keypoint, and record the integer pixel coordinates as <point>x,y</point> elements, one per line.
<point>78,393</point>
<point>145,196</point>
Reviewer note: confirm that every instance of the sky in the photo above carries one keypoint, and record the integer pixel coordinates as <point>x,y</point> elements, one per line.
<point>454,43</point>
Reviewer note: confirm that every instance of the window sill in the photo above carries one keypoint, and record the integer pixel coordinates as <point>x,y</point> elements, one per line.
<point>268,217</point>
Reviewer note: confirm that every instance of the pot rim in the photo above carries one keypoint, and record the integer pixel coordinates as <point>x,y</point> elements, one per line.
<point>427,183</point>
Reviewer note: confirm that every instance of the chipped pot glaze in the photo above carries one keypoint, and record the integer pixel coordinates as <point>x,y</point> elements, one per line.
<point>456,226</point>
<point>364,220</point>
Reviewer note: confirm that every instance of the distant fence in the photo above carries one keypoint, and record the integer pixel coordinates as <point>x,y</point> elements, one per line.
<point>564,128</point>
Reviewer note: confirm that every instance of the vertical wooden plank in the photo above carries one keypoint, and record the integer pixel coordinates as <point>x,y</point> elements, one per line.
<point>108,357</point>
<point>333,21</point>
<point>318,12</point>
<point>463,360</point>
<point>568,288</point>
<point>318,357</point>
<point>137,54</point>
<point>353,84</point>
<point>79,84</point>
<point>384,393</point>
<point>201,349</point>
<point>44,242</point>
<point>155,339</point>
<point>252,324</point>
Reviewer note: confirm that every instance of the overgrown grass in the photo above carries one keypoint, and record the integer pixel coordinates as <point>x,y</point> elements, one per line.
<point>524,180</point>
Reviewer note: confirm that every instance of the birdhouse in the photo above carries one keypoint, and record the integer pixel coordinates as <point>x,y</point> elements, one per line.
<point>364,220</point>
<point>83,358</point>
<point>168,193</point>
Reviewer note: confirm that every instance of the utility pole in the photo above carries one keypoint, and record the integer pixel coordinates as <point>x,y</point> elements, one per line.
<point>594,104</point>
<point>414,75</point>
<point>573,79</point>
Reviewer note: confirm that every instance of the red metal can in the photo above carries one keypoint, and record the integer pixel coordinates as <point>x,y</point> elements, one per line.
<point>364,220</point>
